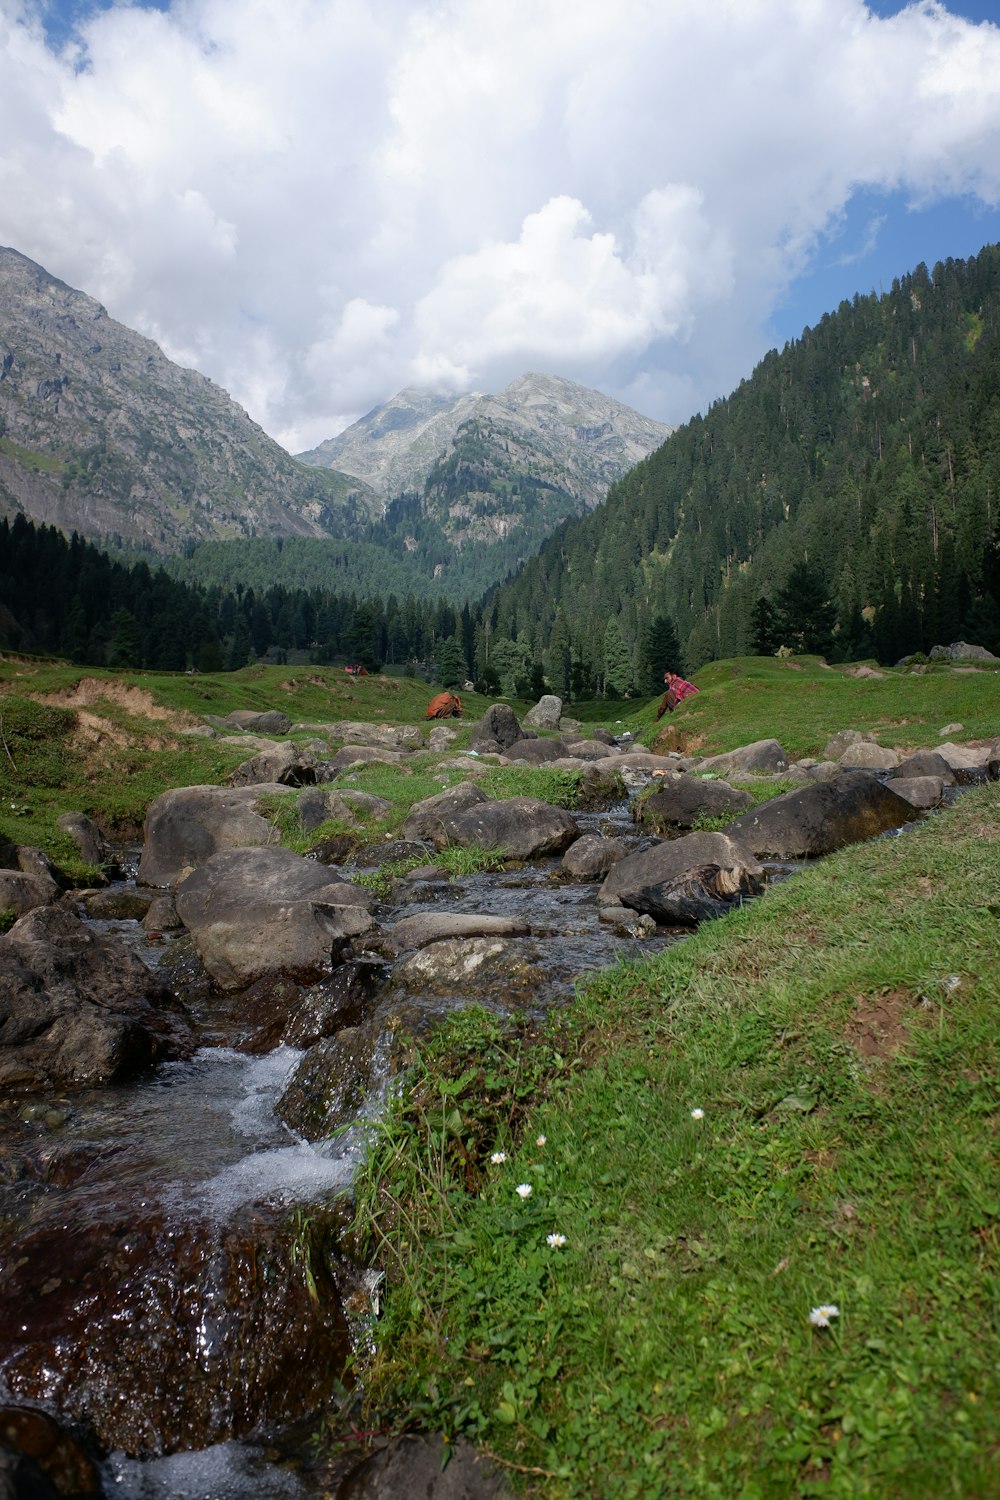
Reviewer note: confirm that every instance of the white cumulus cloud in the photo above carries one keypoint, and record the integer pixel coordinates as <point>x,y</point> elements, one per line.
<point>318,202</point>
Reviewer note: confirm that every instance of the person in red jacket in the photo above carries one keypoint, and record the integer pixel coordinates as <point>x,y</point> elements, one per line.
<point>678,688</point>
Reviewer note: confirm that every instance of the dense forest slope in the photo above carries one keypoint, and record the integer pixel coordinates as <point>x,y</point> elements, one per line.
<point>855,472</point>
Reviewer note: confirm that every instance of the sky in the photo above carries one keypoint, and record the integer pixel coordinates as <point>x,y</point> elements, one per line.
<point>318,203</point>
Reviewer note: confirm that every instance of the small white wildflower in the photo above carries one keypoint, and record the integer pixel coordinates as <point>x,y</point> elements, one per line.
<point>498,1157</point>
<point>820,1316</point>
<point>555,1241</point>
<point>540,1140</point>
<point>697,1114</point>
<point>524,1190</point>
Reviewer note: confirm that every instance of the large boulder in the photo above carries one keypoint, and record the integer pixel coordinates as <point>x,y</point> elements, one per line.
<point>926,763</point>
<point>970,763</point>
<point>21,893</point>
<point>406,737</point>
<point>683,881</point>
<point>318,805</point>
<point>960,651</point>
<point>78,1009</point>
<point>255,912</point>
<point>361,755</point>
<point>546,713</point>
<point>866,755</point>
<point>251,721</point>
<point>429,818</point>
<point>592,856</point>
<point>536,752</point>
<point>287,764</point>
<point>497,726</point>
<point>88,838</point>
<point>520,827</point>
<point>335,1079</point>
<point>188,824</point>
<point>762,758</point>
<point>817,819</point>
<point>679,801</point>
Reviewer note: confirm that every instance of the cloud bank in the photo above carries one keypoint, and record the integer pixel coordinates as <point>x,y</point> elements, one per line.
<point>319,202</point>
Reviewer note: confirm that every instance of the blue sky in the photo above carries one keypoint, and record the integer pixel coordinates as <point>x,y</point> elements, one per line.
<point>320,202</point>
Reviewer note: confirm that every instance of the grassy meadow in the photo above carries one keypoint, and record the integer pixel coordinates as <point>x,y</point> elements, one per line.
<point>728,1226</point>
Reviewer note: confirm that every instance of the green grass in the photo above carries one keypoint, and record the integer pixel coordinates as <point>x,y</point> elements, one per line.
<point>802,703</point>
<point>666,1349</point>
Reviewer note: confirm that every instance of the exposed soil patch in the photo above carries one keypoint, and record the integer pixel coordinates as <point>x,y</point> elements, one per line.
<point>89,691</point>
<point>877,1029</point>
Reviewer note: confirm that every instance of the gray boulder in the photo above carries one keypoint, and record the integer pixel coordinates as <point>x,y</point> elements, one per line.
<point>88,838</point>
<point>961,651</point>
<point>188,824</point>
<point>817,819</point>
<point>288,765</point>
<point>683,881</point>
<point>440,738</point>
<point>926,763</point>
<point>78,1009</point>
<point>866,755</point>
<point>21,893</point>
<point>535,752</point>
<point>429,818</point>
<point>265,911</point>
<point>520,827</point>
<point>680,800</point>
<point>497,726</point>
<point>592,856</point>
<point>762,758</point>
<point>404,737</point>
<point>839,742</point>
<point>318,805</point>
<point>335,1079</point>
<point>919,791</point>
<point>250,721</point>
<point>546,713</point>
<point>453,964</point>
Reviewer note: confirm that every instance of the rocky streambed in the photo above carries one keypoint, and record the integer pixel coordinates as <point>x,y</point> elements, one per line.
<point>189,1055</point>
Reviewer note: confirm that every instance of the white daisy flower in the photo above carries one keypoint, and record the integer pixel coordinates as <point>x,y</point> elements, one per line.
<point>524,1190</point>
<point>820,1316</point>
<point>498,1157</point>
<point>555,1241</point>
<point>697,1114</point>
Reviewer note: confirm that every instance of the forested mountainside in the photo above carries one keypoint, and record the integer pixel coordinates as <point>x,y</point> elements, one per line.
<point>844,498</point>
<point>102,434</point>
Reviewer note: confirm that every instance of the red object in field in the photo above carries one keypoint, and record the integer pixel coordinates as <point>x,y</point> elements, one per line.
<point>356,671</point>
<point>444,706</point>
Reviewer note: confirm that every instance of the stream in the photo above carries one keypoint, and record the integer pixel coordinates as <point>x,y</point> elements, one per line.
<point>158,1231</point>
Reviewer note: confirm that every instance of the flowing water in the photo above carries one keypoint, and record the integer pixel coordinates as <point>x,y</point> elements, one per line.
<point>152,1227</point>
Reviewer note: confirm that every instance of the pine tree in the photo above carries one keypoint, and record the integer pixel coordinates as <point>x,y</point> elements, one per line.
<point>617,662</point>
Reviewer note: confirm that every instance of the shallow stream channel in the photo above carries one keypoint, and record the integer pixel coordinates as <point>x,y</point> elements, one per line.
<point>171,1323</point>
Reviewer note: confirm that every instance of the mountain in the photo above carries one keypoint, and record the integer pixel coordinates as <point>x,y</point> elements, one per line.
<point>844,498</point>
<point>474,459</point>
<point>394,447</point>
<point>101,433</point>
